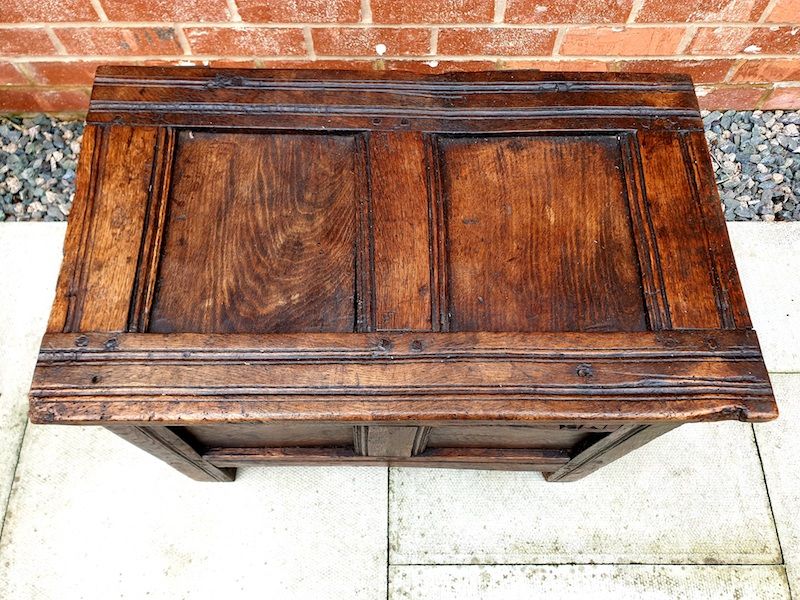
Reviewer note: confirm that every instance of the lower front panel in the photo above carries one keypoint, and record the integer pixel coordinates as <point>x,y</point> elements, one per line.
<point>502,446</point>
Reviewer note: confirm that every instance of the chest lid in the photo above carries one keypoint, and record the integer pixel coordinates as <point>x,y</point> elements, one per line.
<point>261,244</point>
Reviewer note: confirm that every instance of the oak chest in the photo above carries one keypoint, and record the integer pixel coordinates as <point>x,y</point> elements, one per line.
<point>508,270</point>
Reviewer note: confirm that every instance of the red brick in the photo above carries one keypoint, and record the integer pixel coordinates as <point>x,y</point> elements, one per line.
<point>166,10</point>
<point>613,41</point>
<point>241,41</point>
<point>778,69</point>
<point>733,40</point>
<point>788,97</point>
<point>555,65</point>
<point>62,73</point>
<point>496,41</point>
<point>432,11</point>
<point>18,42</point>
<point>44,11</point>
<point>727,97</point>
<point>53,101</point>
<point>300,11</point>
<point>666,11</point>
<point>567,11</point>
<point>112,41</point>
<point>15,99</point>
<point>10,75</point>
<point>33,99</point>
<point>355,41</point>
<point>785,11</point>
<point>701,71</point>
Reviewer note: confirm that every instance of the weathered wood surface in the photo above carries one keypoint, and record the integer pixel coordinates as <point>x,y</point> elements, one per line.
<point>670,376</point>
<point>451,270</point>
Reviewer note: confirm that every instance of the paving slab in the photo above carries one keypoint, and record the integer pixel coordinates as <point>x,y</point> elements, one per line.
<point>779,442</point>
<point>92,517</point>
<point>767,257</point>
<point>694,496</point>
<point>30,255</point>
<point>579,582</point>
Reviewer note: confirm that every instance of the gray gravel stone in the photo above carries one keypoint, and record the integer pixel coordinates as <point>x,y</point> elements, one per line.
<point>756,159</point>
<point>755,155</point>
<point>38,158</point>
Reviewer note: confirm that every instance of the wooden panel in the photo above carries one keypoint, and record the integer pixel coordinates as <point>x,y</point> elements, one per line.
<point>539,235</point>
<point>443,377</point>
<point>272,434</point>
<point>731,302</point>
<point>508,436</point>
<point>392,100</point>
<point>465,458</point>
<point>77,227</point>
<point>261,235</point>
<point>401,237</point>
<point>106,233</point>
<point>688,274</point>
<point>393,441</point>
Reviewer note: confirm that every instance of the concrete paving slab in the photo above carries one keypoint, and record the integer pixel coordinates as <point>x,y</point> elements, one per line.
<point>579,582</point>
<point>779,442</point>
<point>92,517</point>
<point>31,256</point>
<point>695,495</point>
<point>766,257</point>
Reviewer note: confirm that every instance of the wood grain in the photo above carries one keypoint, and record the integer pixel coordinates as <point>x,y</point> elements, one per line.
<point>267,243</point>
<point>112,214</point>
<point>433,376</point>
<point>688,276</point>
<point>400,211</point>
<point>391,100</point>
<point>535,250</point>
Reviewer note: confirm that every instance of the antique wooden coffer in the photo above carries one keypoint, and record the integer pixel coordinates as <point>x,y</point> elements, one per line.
<point>508,270</point>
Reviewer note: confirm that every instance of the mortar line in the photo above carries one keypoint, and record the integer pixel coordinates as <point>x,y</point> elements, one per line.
<point>499,11</point>
<point>635,9</point>
<point>233,8</point>
<point>366,13</point>
<point>98,8</point>
<point>767,11</point>
<point>59,46</point>
<point>183,41</point>
<point>309,40</point>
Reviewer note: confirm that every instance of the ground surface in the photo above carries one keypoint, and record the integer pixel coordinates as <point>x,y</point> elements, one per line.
<point>706,511</point>
<point>756,158</point>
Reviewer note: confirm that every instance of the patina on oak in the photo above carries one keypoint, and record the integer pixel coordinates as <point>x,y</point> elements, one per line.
<point>513,270</point>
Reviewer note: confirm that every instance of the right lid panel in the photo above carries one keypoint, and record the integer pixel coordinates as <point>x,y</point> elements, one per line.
<point>538,234</point>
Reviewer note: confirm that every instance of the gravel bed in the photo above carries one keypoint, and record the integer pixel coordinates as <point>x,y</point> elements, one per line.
<point>755,154</point>
<point>756,159</point>
<point>38,158</point>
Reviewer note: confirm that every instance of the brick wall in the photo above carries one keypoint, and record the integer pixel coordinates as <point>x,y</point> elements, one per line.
<point>741,53</point>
